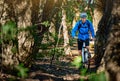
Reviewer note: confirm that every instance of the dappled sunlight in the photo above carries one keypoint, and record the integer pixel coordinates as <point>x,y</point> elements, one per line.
<point>59,40</point>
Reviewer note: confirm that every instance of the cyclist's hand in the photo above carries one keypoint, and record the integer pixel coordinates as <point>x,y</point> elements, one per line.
<point>93,39</point>
<point>76,37</point>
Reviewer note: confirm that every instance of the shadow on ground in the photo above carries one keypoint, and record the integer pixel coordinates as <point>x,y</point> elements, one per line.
<point>61,71</point>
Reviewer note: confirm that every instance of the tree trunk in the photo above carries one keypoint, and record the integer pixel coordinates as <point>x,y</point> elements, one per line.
<point>48,12</point>
<point>109,31</point>
<point>98,12</point>
<point>96,18</point>
<point>102,32</point>
<point>17,49</point>
<point>27,40</point>
<point>65,31</point>
<point>77,16</point>
<point>112,52</point>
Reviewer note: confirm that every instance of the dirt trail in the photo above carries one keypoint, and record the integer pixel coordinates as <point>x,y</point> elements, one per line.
<point>60,70</point>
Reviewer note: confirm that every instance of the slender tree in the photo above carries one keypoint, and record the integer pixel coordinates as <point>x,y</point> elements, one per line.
<point>65,30</point>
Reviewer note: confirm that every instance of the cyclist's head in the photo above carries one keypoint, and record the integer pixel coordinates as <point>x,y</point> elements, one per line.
<point>83,16</point>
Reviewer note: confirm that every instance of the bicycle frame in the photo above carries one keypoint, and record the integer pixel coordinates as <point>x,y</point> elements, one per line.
<point>85,56</point>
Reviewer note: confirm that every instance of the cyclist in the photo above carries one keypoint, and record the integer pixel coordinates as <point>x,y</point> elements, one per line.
<point>84,28</point>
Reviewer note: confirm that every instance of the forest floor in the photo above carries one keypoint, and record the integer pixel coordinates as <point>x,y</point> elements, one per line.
<point>61,70</point>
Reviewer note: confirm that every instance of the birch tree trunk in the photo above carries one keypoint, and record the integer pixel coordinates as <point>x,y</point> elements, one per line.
<point>77,16</point>
<point>65,30</point>
<point>98,12</point>
<point>96,18</point>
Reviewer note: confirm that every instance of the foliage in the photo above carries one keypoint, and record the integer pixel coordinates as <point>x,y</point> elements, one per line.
<point>9,31</point>
<point>50,48</point>
<point>98,77</point>
<point>93,76</point>
<point>22,71</point>
<point>46,23</point>
<point>57,51</point>
<point>9,35</point>
<point>89,16</point>
<point>77,61</point>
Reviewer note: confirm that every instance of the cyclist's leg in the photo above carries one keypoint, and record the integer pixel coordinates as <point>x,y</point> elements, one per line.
<point>87,44</point>
<point>80,44</point>
<point>80,52</point>
<point>89,56</point>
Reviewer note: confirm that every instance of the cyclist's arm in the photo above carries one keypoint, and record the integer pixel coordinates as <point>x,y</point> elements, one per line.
<point>92,30</point>
<point>74,29</point>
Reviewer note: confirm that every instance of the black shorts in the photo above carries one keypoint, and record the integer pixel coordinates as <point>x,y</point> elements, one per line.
<point>80,43</point>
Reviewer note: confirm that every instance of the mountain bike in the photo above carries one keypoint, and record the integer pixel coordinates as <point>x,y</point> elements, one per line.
<point>85,56</point>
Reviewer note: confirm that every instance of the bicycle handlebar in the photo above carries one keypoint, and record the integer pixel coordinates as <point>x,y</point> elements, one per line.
<point>76,37</point>
<point>91,39</point>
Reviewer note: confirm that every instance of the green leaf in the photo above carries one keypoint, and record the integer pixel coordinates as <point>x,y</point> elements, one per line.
<point>98,77</point>
<point>9,30</point>
<point>22,71</point>
<point>46,23</point>
<point>77,61</point>
<point>14,49</point>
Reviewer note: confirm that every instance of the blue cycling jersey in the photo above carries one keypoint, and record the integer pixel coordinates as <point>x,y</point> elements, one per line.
<point>83,30</point>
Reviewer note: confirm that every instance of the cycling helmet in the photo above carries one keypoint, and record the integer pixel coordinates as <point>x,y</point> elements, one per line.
<point>83,15</point>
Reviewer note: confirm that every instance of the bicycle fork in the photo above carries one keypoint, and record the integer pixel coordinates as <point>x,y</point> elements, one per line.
<point>83,53</point>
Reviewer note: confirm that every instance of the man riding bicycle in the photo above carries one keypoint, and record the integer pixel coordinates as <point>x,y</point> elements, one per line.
<point>84,28</point>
